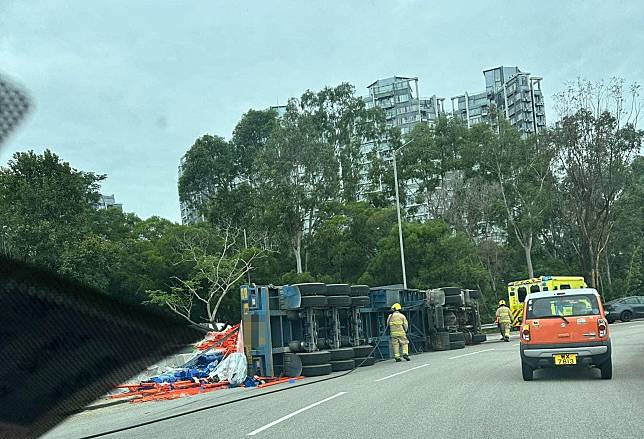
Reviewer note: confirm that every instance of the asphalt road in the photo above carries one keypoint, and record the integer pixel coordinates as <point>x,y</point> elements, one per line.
<point>475,392</point>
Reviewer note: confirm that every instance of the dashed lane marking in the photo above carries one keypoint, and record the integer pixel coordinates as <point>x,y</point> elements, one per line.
<point>296,412</point>
<point>400,373</point>
<point>471,353</point>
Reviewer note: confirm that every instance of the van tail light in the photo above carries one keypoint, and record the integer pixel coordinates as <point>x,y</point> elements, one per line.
<point>525,332</point>
<point>602,328</point>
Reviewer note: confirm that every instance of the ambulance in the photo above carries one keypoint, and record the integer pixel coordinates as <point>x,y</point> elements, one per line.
<point>518,290</point>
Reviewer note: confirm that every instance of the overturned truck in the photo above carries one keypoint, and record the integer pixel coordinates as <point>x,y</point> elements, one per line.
<point>313,329</point>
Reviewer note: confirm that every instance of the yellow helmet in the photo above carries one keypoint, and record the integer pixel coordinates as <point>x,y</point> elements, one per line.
<point>501,302</point>
<point>396,307</point>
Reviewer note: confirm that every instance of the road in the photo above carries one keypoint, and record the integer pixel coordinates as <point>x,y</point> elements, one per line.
<point>475,392</point>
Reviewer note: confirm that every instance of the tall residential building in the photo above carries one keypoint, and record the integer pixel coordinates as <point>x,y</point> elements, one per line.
<point>510,93</point>
<point>108,201</point>
<point>404,108</point>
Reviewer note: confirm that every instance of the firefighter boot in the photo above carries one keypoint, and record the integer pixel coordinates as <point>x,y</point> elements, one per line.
<point>398,360</point>
<point>406,357</point>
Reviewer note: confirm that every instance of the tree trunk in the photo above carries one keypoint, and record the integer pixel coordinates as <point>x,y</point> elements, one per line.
<point>527,248</point>
<point>297,250</point>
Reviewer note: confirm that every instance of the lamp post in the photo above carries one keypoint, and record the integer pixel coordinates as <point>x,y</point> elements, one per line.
<point>400,236</point>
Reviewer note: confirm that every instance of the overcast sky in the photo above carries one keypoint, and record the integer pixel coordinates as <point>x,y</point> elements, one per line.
<point>125,87</point>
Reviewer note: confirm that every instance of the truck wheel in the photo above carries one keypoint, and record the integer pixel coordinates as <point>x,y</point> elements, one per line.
<point>359,290</point>
<point>314,358</point>
<point>360,301</point>
<point>457,345</point>
<point>526,371</point>
<point>341,354</point>
<point>456,336</point>
<point>364,361</point>
<point>362,351</point>
<point>451,291</point>
<point>316,370</point>
<point>475,294</point>
<point>341,365</point>
<point>338,301</point>
<point>338,289</point>
<point>626,316</point>
<point>313,301</point>
<point>607,369</point>
<point>478,338</point>
<point>311,289</point>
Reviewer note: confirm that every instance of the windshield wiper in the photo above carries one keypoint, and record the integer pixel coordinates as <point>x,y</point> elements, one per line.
<point>564,319</point>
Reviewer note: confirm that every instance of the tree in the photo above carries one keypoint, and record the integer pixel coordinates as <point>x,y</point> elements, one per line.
<point>219,261</point>
<point>597,139</point>
<point>45,205</point>
<point>343,121</point>
<point>522,170</point>
<point>430,162</point>
<point>299,176</point>
<point>434,255</point>
<point>347,241</point>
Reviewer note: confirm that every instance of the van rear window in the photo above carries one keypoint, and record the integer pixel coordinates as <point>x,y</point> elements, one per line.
<point>573,305</point>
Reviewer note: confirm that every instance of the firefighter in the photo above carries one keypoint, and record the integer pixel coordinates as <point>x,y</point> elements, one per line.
<point>504,319</point>
<point>397,323</point>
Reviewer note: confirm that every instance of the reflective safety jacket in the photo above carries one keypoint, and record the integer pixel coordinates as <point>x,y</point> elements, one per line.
<point>397,323</point>
<point>503,314</point>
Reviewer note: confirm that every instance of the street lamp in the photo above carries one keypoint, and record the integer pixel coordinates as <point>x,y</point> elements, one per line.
<point>400,236</point>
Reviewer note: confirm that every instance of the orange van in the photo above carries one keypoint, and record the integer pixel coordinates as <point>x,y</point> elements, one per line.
<point>565,328</point>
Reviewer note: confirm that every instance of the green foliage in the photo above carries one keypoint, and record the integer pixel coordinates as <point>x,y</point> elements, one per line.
<point>434,256</point>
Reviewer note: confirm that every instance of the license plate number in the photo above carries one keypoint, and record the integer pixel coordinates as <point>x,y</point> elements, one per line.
<point>565,359</point>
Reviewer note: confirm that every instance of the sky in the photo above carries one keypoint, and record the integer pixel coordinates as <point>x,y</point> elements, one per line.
<point>124,88</point>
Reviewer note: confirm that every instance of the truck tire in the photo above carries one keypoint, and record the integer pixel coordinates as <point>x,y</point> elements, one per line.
<point>457,345</point>
<point>454,300</point>
<point>475,294</point>
<point>451,291</point>
<point>313,302</point>
<point>311,289</point>
<point>364,361</point>
<point>338,289</point>
<point>316,370</point>
<point>362,351</point>
<point>338,301</point>
<point>606,369</point>
<point>341,354</point>
<point>456,336</point>
<point>341,365</point>
<point>359,290</point>
<point>478,338</point>
<point>527,372</point>
<point>314,358</point>
<point>360,301</point>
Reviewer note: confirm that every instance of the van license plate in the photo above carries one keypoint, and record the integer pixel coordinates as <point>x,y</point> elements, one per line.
<point>565,359</point>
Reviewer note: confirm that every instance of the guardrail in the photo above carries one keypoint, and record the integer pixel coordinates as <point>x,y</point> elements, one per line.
<point>489,326</point>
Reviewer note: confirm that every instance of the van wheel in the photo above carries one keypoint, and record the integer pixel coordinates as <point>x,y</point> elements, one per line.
<point>607,369</point>
<point>626,316</point>
<point>526,371</point>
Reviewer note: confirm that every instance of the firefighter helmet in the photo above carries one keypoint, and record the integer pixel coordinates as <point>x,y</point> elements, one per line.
<point>501,302</point>
<point>396,307</point>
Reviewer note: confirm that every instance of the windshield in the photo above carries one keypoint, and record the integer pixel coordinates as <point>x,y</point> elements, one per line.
<point>558,306</point>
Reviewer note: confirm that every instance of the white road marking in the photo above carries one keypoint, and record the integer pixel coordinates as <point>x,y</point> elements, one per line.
<point>296,412</point>
<point>471,353</point>
<point>400,373</point>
